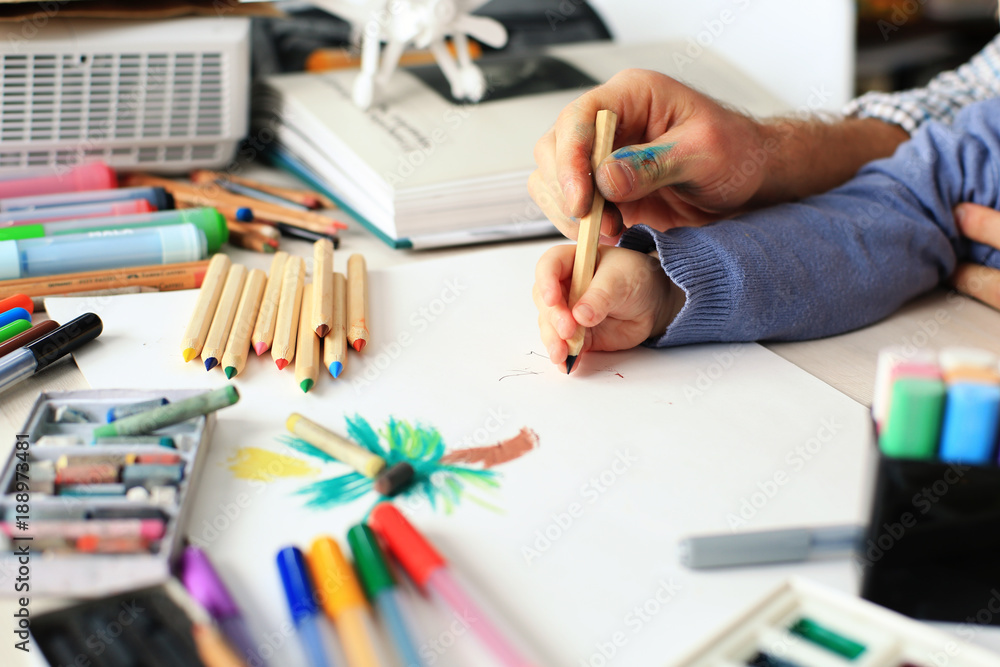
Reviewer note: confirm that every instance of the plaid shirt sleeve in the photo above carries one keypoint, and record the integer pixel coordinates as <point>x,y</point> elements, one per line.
<point>941,100</point>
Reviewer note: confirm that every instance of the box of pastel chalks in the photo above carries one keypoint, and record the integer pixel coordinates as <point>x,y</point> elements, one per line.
<point>932,545</point>
<point>99,515</point>
<point>804,624</point>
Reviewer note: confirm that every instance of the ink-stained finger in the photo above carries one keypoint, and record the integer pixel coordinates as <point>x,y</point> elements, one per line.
<point>574,136</point>
<point>979,282</point>
<point>979,223</point>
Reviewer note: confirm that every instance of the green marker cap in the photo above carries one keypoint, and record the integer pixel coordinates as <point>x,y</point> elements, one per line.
<point>370,560</point>
<point>208,220</point>
<point>16,327</point>
<point>913,426</point>
<point>21,232</point>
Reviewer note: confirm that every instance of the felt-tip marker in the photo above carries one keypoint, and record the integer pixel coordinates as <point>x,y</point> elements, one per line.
<point>39,355</point>
<point>203,583</point>
<point>302,604</point>
<point>429,570</point>
<point>381,588</point>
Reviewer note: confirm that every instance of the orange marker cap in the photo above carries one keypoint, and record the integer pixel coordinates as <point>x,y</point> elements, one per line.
<point>410,549</point>
<point>336,586</point>
<point>17,301</point>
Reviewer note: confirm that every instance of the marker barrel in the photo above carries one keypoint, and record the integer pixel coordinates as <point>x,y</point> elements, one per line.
<point>156,196</point>
<point>72,253</point>
<point>16,366</point>
<point>399,625</point>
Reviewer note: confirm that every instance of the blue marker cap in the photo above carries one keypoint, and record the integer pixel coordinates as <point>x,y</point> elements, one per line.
<point>12,315</point>
<point>298,587</point>
<point>969,430</point>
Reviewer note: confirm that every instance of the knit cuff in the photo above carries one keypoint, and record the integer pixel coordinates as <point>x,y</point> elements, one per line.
<point>695,265</point>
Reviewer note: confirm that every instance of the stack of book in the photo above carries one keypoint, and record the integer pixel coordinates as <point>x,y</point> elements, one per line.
<point>422,170</point>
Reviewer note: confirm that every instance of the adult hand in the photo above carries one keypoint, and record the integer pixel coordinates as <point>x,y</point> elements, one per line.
<point>980,224</point>
<point>629,300</point>
<point>683,159</point>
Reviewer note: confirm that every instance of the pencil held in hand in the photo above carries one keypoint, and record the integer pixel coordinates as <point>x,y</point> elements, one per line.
<point>357,302</point>
<point>590,230</point>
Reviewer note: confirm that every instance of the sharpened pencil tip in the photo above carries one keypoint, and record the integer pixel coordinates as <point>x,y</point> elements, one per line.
<point>230,372</point>
<point>570,360</point>
<point>306,385</point>
<point>336,368</point>
<point>281,363</point>
<point>359,344</point>
<point>211,363</point>
<point>189,354</point>
<point>260,348</point>
<point>322,330</point>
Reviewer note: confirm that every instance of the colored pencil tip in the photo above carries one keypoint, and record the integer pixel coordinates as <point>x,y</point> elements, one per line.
<point>260,348</point>
<point>281,363</point>
<point>336,368</point>
<point>570,360</point>
<point>244,214</point>
<point>211,363</point>
<point>189,354</point>
<point>322,330</point>
<point>306,385</point>
<point>359,344</point>
<point>230,372</point>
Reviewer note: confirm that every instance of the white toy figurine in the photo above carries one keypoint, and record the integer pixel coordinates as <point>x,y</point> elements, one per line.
<point>423,24</point>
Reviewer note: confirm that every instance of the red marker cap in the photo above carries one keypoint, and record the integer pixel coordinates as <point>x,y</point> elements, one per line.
<point>17,301</point>
<point>410,549</point>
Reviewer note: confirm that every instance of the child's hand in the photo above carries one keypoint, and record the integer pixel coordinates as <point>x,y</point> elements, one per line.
<point>630,300</point>
<point>979,224</point>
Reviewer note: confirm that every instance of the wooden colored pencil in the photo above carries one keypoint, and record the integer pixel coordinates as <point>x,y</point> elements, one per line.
<point>25,337</point>
<point>335,342</point>
<point>225,313</point>
<point>357,302</point>
<point>589,237</point>
<point>164,277</point>
<point>287,325</point>
<point>213,195</point>
<point>307,349</point>
<point>306,198</point>
<point>322,294</point>
<point>204,308</point>
<point>263,331</point>
<point>238,345</point>
<point>244,235</point>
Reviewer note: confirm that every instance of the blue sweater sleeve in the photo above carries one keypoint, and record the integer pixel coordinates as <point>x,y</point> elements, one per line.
<point>841,260</point>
